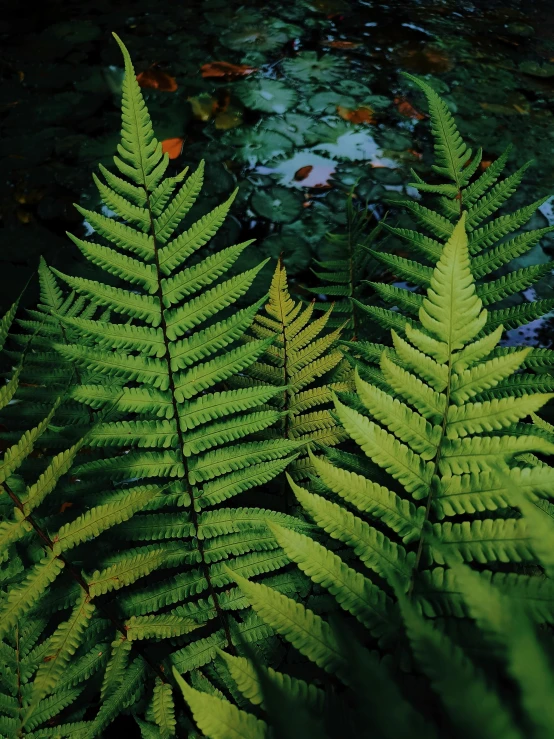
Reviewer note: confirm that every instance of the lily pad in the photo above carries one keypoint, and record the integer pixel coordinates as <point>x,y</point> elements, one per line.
<point>278,204</point>
<point>294,250</point>
<point>536,69</point>
<point>352,87</point>
<point>269,96</point>
<point>262,36</point>
<point>75,32</point>
<point>307,67</point>
<point>327,102</point>
<point>355,146</point>
<point>252,146</point>
<point>298,128</point>
<point>305,169</point>
<point>394,140</point>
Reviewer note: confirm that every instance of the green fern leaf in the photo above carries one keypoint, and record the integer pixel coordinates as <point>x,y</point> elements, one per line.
<point>219,719</point>
<point>163,709</point>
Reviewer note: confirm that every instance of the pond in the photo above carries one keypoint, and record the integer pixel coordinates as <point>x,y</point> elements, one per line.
<point>294,103</point>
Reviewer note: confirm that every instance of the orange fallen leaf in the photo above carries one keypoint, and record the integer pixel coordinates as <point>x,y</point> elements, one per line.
<point>341,44</point>
<point>157,80</point>
<point>226,69</point>
<point>426,60</point>
<point>407,109</point>
<point>485,163</point>
<point>360,115</point>
<point>302,173</point>
<point>65,506</point>
<point>414,153</point>
<point>173,147</point>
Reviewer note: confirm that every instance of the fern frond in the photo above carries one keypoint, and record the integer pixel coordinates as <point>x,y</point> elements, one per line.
<point>219,719</point>
<point>451,152</point>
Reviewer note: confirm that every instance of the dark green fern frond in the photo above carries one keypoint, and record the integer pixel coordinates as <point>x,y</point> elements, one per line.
<point>493,239</point>
<point>340,276</point>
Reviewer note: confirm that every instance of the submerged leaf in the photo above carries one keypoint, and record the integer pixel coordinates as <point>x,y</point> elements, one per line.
<point>226,70</point>
<point>157,80</point>
<point>360,115</point>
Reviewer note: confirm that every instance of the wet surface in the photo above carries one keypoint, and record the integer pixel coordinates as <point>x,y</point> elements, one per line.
<point>294,105</point>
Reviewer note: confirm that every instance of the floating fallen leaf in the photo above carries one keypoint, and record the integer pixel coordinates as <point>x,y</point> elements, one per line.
<point>407,109</point>
<point>360,115</point>
<point>24,216</point>
<point>499,109</point>
<point>426,60</point>
<point>341,44</point>
<point>65,506</point>
<point>485,163</point>
<point>203,106</point>
<point>157,80</point>
<point>303,172</point>
<point>226,69</point>
<point>229,118</point>
<point>173,147</point>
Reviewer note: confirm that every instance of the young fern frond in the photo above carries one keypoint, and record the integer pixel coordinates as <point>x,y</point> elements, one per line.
<point>45,376</point>
<point>302,360</point>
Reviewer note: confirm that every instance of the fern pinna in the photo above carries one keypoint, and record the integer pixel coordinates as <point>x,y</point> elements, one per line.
<point>451,451</point>
<point>302,360</point>
<point>489,248</point>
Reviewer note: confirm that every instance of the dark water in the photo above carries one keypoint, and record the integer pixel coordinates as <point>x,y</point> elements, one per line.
<point>326,108</point>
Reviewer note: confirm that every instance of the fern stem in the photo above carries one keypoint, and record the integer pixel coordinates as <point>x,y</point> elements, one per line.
<point>193,513</point>
<point>18,674</point>
<point>436,463</point>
